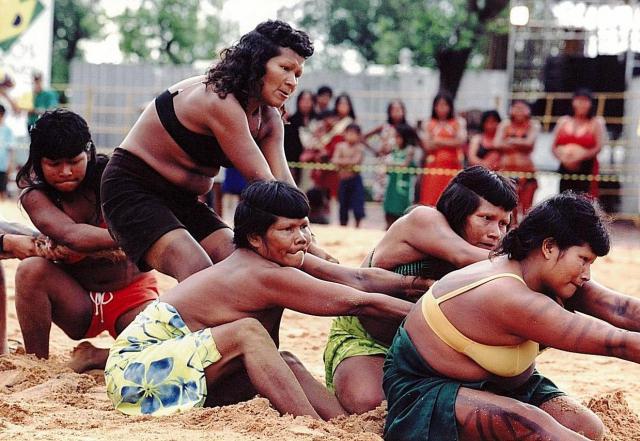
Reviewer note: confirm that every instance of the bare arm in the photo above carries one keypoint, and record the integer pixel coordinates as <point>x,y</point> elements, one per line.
<point>528,143</point>
<point>61,228</point>
<point>429,232</point>
<point>474,145</point>
<point>554,146</point>
<point>296,290</point>
<point>272,146</point>
<point>607,304</point>
<point>536,317</point>
<point>599,131</point>
<point>230,127</point>
<point>365,279</point>
<point>17,246</point>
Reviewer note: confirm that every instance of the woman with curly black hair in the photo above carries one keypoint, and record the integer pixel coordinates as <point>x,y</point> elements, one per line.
<point>232,116</point>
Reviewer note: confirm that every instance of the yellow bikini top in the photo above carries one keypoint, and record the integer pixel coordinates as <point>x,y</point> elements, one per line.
<point>504,361</point>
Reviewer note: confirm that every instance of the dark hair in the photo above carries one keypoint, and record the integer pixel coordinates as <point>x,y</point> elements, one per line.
<point>461,197</point>
<point>299,98</point>
<point>60,134</point>
<point>297,119</point>
<point>585,93</point>
<point>2,110</point>
<point>404,112</point>
<point>448,99</point>
<point>408,135</point>
<point>353,126</point>
<point>489,114</point>
<point>570,219</point>
<point>344,96</point>
<point>324,90</point>
<point>260,203</point>
<point>242,65</point>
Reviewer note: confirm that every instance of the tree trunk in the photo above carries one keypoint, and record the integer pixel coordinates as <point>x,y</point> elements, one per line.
<point>452,64</point>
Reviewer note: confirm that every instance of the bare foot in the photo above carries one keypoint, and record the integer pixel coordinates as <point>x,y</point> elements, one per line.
<point>85,356</point>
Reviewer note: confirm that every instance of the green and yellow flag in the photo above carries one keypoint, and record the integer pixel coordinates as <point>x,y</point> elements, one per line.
<point>16,17</point>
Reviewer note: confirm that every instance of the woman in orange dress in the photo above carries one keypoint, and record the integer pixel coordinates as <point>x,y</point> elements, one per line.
<point>516,138</point>
<point>442,138</point>
<point>577,141</point>
<point>481,146</point>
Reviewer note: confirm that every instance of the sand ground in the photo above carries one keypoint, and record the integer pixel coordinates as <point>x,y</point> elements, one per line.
<point>44,400</point>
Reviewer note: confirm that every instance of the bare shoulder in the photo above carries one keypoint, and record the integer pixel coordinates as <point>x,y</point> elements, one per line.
<point>33,199</point>
<point>422,216</point>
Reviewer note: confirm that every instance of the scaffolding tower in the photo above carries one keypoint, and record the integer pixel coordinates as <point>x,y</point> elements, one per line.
<point>558,30</point>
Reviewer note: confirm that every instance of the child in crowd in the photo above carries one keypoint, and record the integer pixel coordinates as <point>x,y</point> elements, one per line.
<point>351,190</point>
<point>399,192</point>
<point>83,295</point>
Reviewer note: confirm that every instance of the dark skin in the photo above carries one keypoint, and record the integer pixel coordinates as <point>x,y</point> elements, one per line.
<point>424,232</point>
<point>511,313</point>
<point>64,298</point>
<point>223,294</point>
<point>251,137</point>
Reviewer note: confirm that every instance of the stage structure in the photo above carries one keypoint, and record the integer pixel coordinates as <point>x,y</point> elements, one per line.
<point>557,46</point>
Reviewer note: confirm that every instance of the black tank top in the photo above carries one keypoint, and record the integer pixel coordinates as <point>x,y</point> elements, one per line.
<point>203,149</point>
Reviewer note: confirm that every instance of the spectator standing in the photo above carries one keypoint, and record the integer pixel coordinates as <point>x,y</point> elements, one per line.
<point>43,99</point>
<point>323,98</point>
<point>577,141</point>
<point>442,138</point>
<point>293,145</point>
<point>516,138</point>
<point>351,190</point>
<point>481,147</point>
<point>386,134</point>
<point>399,192</point>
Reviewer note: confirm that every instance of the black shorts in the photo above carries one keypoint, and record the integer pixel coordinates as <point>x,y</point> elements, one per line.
<point>140,206</point>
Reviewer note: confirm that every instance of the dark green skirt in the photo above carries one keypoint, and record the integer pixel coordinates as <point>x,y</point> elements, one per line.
<point>421,402</point>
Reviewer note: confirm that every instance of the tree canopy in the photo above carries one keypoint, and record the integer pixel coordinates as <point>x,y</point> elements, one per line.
<point>172,31</point>
<point>440,33</point>
<point>73,20</point>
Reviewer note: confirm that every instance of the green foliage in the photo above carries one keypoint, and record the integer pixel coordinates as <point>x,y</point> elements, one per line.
<point>73,20</point>
<point>172,31</point>
<point>378,29</point>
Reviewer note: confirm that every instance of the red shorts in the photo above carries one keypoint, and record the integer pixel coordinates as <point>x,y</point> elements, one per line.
<point>110,305</point>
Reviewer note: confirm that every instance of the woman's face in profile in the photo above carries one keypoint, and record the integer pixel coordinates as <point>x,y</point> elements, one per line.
<point>571,268</point>
<point>281,75</point>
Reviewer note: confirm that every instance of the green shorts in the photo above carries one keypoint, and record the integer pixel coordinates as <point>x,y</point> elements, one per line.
<point>348,338</point>
<point>156,365</point>
<point>421,402</point>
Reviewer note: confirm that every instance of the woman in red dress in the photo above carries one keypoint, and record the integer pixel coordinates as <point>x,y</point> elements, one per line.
<point>577,141</point>
<point>516,138</point>
<point>442,138</point>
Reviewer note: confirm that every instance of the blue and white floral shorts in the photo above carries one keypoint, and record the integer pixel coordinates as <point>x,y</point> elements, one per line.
<point>156,366</point>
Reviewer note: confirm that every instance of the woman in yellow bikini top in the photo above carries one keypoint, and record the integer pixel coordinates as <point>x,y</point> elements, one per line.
<point>440,384</point>
<point>504,361</point>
